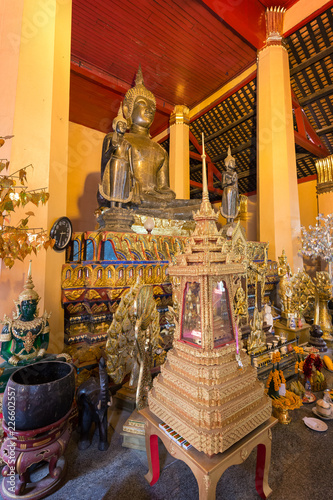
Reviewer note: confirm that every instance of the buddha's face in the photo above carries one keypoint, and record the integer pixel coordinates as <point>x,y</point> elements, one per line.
<point>143,112</point>
<point>121,127</point>
<point>28,309</point>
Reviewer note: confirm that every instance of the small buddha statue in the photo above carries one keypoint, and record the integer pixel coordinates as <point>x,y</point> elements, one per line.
<point>230,196</point>
<point>257,340</point>
<point>285,285</point>
<point>24,339</point>
<point>117,183</point>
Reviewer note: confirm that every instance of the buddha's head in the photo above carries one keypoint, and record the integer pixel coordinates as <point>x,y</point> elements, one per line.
<point>229,161</point>
<point>139,104</point>
<point>26,305</point>
<point>119,124</point>
<point>28,310</point>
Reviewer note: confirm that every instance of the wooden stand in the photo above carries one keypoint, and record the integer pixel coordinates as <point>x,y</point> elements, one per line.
<point>23,449</point>
<point>208,470</point>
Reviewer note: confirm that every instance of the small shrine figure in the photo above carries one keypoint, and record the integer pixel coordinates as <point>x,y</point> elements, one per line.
<point>285,285</point>
<point>117,181</point>
<point>268,317</point>
<point>25,338</point>
<point>257,340</point>
<point>240,305</point>
<point>230,196</point>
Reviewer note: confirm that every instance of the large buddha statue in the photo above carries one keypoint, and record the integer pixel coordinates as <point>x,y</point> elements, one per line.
<point>24,339</point>
<point>149,161</point>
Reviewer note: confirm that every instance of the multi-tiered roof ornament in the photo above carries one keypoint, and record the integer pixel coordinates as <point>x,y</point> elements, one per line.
<point>207,390</point>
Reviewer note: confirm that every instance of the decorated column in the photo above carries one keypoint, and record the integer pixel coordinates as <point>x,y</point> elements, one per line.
<point>278,214</point>
<point>325,185</point>
<point>179,152</point>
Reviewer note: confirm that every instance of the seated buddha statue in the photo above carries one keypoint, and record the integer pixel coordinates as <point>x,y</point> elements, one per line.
<point>149,159</point>
<point>24,339</point>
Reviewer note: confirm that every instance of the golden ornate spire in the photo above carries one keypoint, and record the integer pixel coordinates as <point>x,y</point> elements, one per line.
<point>206,216</point>
<point>28,292</point>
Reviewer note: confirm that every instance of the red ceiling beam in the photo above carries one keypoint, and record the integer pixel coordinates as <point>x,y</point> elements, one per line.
<point>246,17</point>
<point>101,78</point>
<point>305,135</point>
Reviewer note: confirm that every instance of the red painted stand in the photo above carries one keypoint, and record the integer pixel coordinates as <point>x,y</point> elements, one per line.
<point>208,470</point>
<point>21,449</point>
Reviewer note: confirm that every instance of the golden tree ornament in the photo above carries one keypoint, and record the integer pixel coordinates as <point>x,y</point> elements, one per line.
<point>18,241</point>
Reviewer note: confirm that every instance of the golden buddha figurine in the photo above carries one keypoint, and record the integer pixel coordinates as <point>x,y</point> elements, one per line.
<point>24,338</point>
<point>285,286</point>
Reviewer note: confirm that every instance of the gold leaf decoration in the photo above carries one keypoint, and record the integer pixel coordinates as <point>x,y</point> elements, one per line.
<point>73,294</point>
<point>92,294</point>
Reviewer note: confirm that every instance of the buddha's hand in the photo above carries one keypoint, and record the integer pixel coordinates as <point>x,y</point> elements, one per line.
<point>13,360</point>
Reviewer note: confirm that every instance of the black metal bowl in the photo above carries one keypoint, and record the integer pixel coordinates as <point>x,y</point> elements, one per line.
<point>38,395</point>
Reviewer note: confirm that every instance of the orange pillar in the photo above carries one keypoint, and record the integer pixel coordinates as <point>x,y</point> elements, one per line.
<point>278,205</point>
<point>40,89</point>
<point>179,155</point>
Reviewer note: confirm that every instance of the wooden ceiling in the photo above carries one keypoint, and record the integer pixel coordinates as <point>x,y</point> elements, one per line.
<point>188,49</point>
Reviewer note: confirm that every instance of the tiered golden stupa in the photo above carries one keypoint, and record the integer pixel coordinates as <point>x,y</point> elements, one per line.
<point>207,390</point>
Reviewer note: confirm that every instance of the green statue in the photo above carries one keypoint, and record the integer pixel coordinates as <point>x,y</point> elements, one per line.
<point>25,338</point>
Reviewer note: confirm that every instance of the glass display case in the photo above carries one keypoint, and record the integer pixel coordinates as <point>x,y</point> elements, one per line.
<point>222,323</point>
<point>191,317</point>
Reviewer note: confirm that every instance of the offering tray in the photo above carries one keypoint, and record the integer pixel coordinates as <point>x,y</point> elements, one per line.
<point>309,400</point>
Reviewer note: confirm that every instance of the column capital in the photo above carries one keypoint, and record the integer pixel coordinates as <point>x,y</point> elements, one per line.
<point>274,17</point>
<point>180,115</point>
<point>324,168</point>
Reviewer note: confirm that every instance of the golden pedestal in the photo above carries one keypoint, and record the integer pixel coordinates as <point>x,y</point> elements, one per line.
<point>303,333</point>
<point>134,432</point>
<point>208,470</point>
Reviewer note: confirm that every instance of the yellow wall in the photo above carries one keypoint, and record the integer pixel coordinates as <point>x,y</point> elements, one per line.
<point>84,174</point>
<point>308,202</point>
<point>40,129</point>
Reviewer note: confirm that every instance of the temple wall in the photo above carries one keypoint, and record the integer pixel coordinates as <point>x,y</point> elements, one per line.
<point>84,160</point>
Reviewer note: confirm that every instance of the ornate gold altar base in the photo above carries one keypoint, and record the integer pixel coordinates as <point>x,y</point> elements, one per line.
<point>208,470</point>
<point>302,333</point>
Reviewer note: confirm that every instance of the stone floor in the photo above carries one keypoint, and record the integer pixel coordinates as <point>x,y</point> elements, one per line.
<point>301,467</point>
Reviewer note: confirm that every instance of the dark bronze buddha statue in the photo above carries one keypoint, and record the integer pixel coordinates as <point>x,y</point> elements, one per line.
<point>149,163</point>
<point>230,196</point>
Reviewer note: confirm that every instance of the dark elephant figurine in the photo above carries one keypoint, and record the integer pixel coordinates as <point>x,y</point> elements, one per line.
<point>93,399</point>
